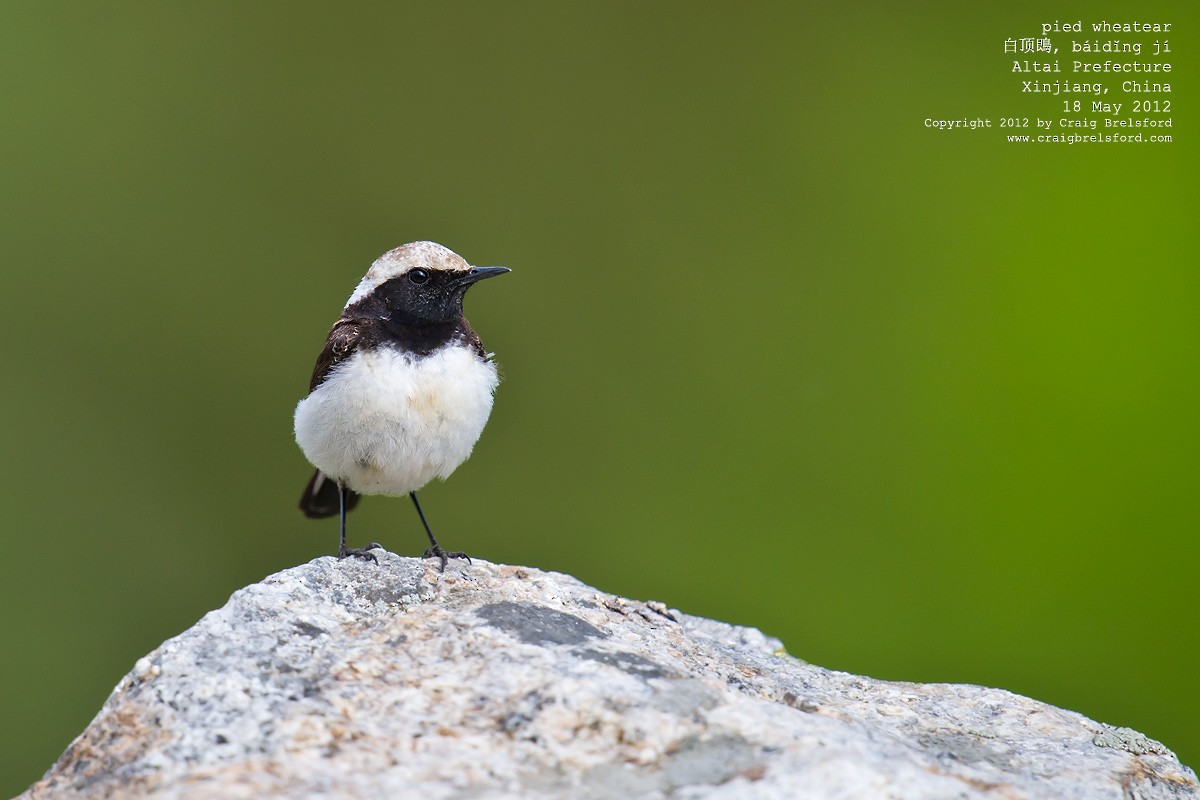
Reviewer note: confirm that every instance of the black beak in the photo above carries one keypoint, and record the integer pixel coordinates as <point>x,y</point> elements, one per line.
<point>479,273</point>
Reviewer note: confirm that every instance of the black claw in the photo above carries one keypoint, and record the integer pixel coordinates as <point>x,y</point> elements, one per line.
<point>438,552</point>
<point>360,552</point>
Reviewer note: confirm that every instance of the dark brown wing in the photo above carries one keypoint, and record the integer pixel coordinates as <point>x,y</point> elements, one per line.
<point>343,340</point>
<point>320,498</point>
<point>468,336</point>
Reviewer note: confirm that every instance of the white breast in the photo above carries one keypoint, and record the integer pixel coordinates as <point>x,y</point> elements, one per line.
<point>385,422</point>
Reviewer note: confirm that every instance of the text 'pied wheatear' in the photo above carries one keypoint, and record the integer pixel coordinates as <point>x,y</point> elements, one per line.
<point>402,390</point>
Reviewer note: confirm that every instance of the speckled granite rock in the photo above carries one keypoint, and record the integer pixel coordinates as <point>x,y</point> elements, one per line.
<point>342,679</point>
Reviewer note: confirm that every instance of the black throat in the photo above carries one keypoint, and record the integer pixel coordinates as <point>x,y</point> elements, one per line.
<point>380,326</point>
<point>419,337</point>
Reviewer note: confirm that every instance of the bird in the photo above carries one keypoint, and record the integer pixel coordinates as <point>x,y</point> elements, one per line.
<point>401,391</point>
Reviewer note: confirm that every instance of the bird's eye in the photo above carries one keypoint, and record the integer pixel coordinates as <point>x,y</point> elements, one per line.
<point>418,276</point>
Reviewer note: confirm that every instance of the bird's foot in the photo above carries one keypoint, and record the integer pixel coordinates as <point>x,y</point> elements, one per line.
<point>360,552</point>
<point>437,552</point>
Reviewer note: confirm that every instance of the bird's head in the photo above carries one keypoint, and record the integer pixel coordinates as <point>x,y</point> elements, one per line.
<point>419,282</point>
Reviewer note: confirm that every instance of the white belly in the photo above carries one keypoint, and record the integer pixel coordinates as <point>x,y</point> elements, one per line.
<point>384,422</point>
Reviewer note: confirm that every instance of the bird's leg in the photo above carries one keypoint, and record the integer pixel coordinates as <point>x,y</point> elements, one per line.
<point>435,550</point>
<point>358,552</point>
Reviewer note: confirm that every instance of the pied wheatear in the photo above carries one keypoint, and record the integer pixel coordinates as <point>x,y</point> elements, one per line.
<point>402,390</point>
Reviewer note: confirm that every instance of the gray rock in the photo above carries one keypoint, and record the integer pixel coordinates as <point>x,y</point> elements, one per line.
<point>343,679</point>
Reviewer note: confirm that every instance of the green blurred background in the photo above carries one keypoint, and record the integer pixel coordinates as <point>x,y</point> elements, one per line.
<point>922,404</point>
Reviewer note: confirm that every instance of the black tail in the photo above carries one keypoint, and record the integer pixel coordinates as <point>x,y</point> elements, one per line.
<point>320,498</point>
